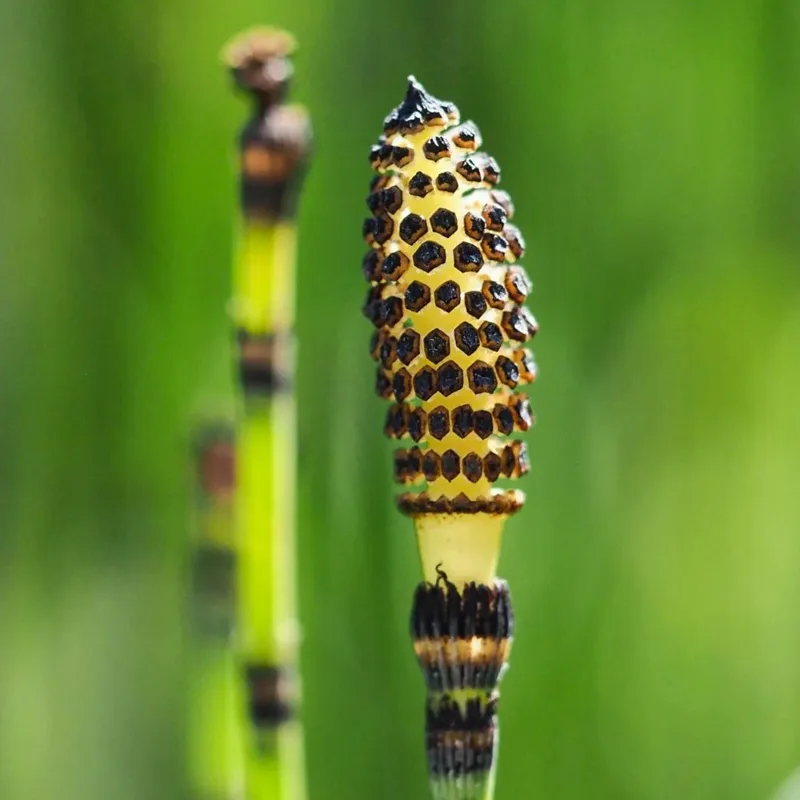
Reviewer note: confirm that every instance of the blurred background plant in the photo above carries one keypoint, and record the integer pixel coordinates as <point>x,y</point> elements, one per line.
<point>652,153</point>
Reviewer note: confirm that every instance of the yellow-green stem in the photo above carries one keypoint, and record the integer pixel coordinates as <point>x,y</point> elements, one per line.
<point>273,149</point>
<point>263,305</point>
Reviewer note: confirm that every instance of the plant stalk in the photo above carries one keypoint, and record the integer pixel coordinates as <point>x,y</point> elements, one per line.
<point>446,301</point>
<point>273,148</point>
<point>215,746</point>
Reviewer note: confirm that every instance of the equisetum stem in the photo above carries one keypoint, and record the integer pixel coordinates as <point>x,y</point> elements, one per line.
<point>446,302</point>
<point>274,146</point>
<point>215,746</point>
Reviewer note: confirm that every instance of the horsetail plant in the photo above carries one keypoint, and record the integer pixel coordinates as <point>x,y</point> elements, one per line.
<point>274,146</point>
<point>446,302</point>
<point>215,747</point>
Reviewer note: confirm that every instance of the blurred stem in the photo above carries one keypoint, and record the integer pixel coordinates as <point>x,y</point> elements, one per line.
<point>215,765</point>
<point>273,149</point>
<point>266,514</point>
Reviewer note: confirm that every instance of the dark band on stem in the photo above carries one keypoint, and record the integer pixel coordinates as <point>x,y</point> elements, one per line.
<point>214,591</point>
<point>269,695</point>
<point>462,639</point>
<point>460,740</point>
<point>266,201</point>
<point>264,363</point>
<point>273,157</point>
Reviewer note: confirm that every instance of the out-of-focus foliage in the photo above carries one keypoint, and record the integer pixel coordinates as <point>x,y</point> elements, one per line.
<point>652,150</point>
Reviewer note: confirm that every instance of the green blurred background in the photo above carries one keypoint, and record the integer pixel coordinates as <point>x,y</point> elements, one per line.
<point>653,152</point>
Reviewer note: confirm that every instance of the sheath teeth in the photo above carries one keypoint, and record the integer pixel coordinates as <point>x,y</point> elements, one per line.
<point>462,639</point>
<point>461,739</point>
